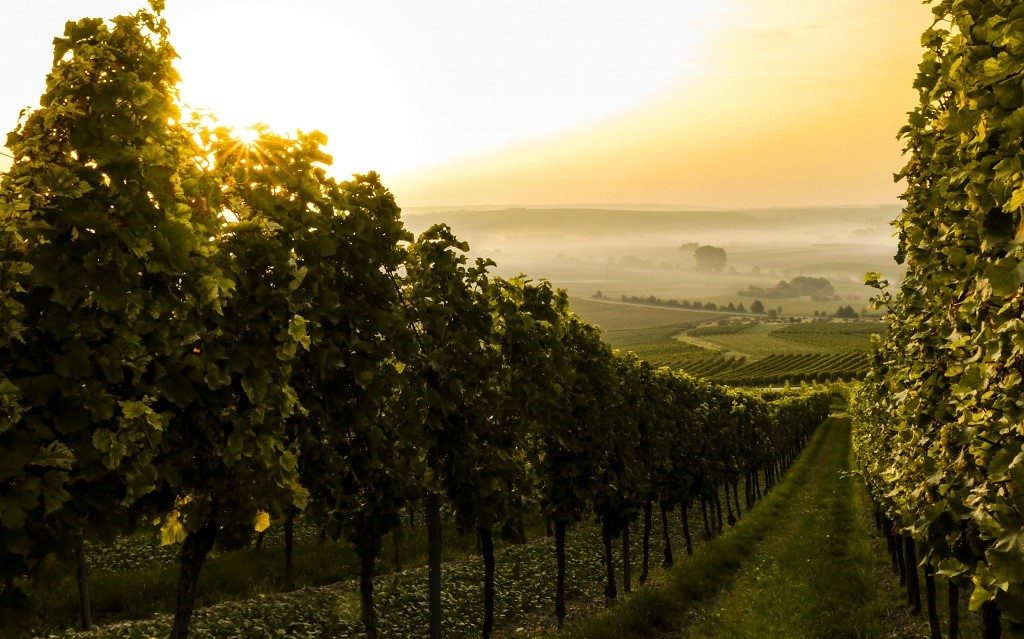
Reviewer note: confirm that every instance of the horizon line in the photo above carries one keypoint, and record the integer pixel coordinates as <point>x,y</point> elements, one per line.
<point>663,207</point>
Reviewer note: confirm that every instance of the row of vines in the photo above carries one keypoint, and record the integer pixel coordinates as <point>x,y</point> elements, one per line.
<point>778,368</point>
<point>202,335</point>
<point>939,421</point>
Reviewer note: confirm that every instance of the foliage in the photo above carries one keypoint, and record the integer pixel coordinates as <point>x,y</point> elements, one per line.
<point>201,335</point>
<point>34,468</point>
<point>654,300</point>
<point>710,258</point>
<point>817,288</point>
<point>938,435</point>
<point>113,272</point>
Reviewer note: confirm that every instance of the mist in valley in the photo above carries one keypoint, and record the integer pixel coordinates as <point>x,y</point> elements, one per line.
<point>641,251</point>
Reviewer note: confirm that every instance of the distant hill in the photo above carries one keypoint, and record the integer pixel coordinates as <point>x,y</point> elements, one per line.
<point>854,224</point>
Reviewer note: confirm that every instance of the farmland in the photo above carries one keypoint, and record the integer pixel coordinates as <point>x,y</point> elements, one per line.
<point>735,349</point>
<point>633,252</point>
<point>242,396</point>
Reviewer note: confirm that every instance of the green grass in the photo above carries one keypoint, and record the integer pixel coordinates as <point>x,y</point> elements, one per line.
<point>804,563</point>
<point>661,607</point>
<point>812,577</point>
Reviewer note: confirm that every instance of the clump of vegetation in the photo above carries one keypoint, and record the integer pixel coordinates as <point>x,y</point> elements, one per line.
<point>819,289</point>
<point>710,259</point>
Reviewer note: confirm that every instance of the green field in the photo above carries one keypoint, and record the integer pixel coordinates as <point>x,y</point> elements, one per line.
<point>733,348</point>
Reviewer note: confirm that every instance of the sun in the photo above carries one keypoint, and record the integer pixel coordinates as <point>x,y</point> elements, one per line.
<point>247,136</point>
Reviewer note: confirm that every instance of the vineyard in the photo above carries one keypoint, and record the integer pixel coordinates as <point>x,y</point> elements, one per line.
<point>239,398</point>
<point>780,368</point>
<point>209,341</point>
<point>766,353</point>
<point>938,436</point>
<point>748,353</point>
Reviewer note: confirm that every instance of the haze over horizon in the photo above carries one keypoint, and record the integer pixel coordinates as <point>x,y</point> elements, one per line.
<point>466,104</point>
<point>639,206</point>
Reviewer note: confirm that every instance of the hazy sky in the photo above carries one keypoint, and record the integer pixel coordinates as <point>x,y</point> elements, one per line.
<point>696,102</point>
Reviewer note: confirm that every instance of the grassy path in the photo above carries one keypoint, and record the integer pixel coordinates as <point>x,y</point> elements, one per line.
<point>815,573</point>
<point>805,563</point>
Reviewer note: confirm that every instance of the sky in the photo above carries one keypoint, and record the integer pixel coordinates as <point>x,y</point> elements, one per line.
<point>697,103</point>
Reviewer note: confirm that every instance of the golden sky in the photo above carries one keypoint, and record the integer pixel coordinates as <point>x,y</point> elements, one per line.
<point>730,103</point>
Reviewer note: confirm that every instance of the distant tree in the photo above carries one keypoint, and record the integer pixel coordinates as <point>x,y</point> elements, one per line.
<point>598,295</point>
<point>846,312</point>
<point>819,289</point>
<point>710,259</point>
<point>732,270</point>
<point>689,247</point>
<point>711,306</point>
<point>731,307</point>
<point>740,308</point>
<point>756,271</point>
<point>757,307</point>
<point>773,313</point>
<point>698,305</point>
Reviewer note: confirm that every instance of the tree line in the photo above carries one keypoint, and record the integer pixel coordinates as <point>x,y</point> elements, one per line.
<point>938,434</point>
<point>202,334</point>
<point>654,300</point>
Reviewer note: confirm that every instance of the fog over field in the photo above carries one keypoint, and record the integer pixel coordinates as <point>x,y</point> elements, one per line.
<point>638,250</point>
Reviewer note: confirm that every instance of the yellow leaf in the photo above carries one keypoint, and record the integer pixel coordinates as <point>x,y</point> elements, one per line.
<point>262,521</point>
<point>172,531</point>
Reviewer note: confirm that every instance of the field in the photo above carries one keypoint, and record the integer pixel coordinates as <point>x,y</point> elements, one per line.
<point>732,348</point>
<point>635,252</point>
